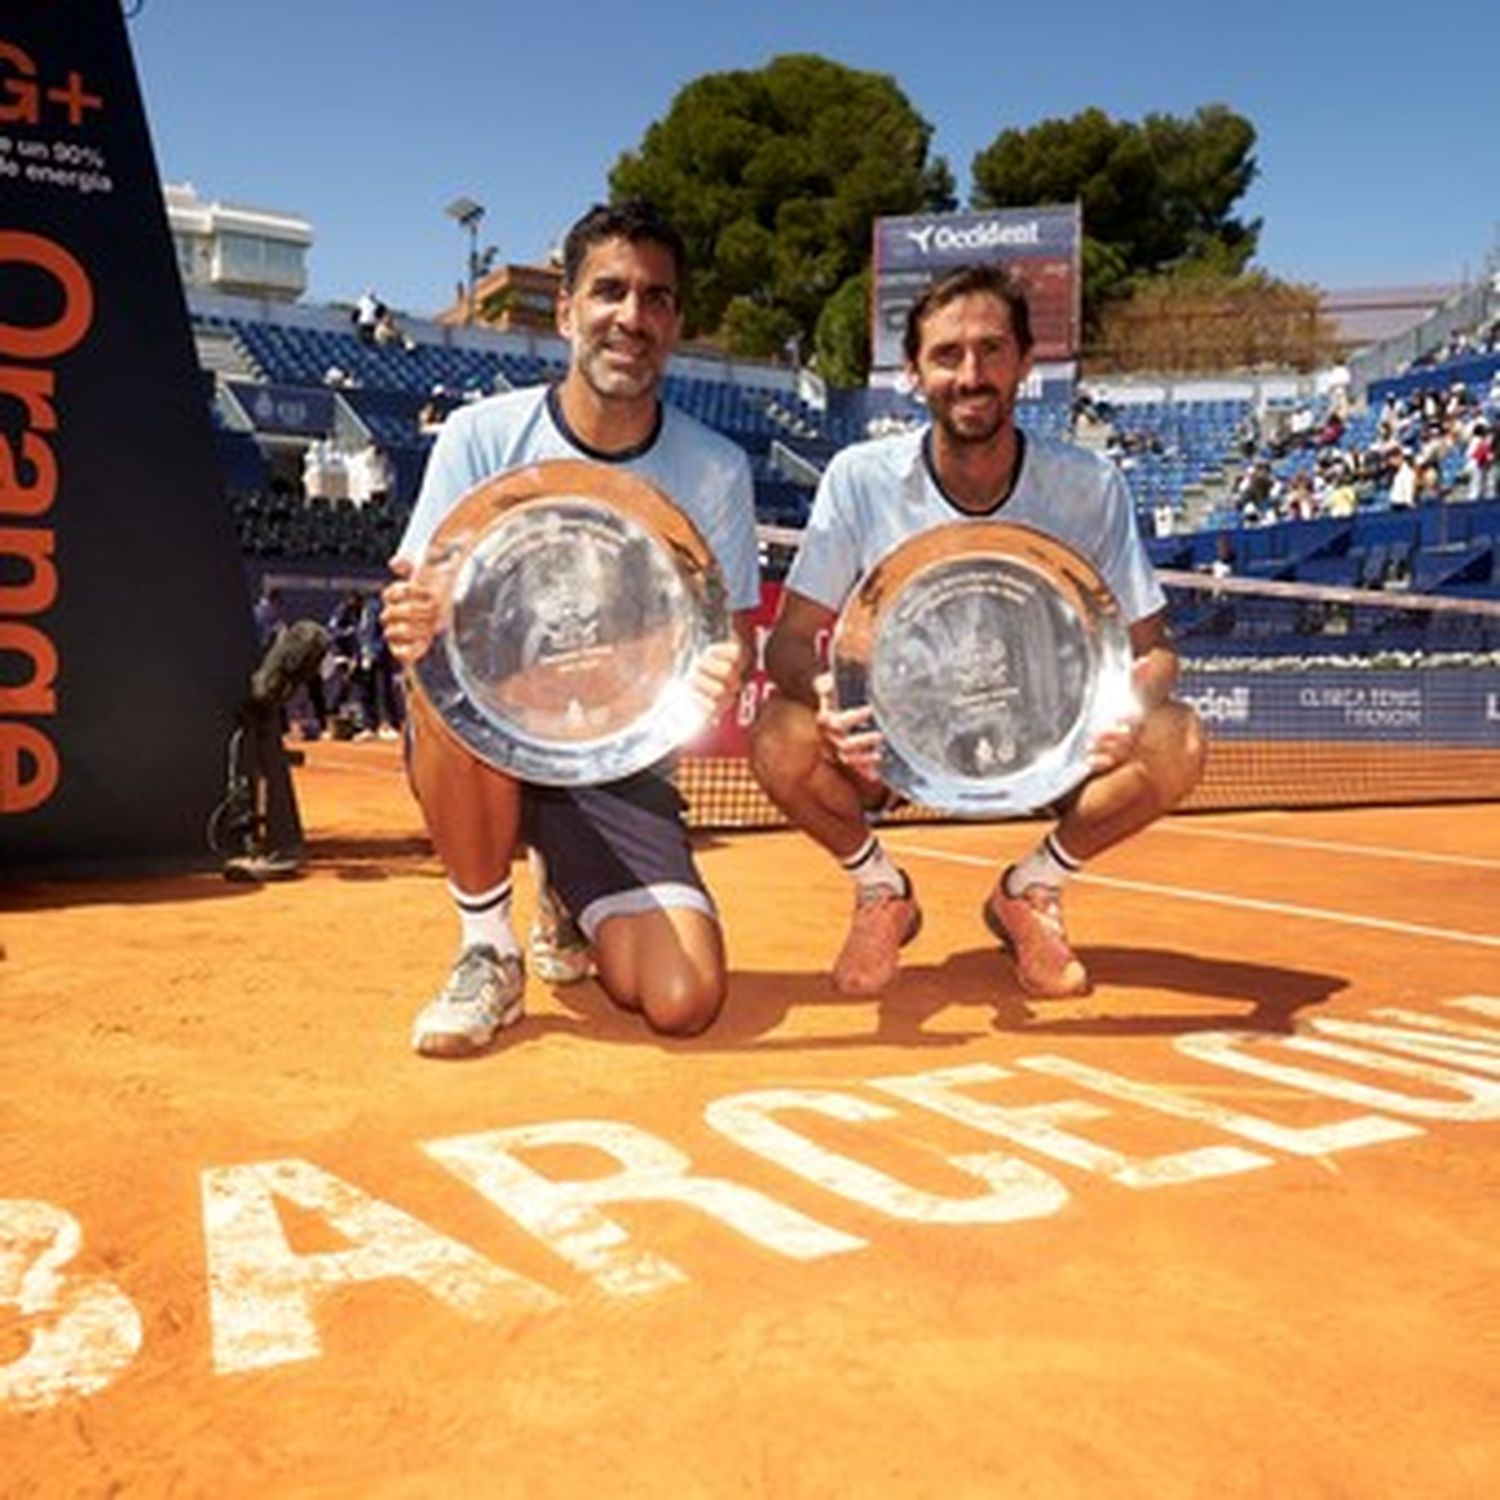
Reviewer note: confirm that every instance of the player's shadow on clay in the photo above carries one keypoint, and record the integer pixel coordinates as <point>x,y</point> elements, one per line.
<point>760,1004</point>
<point>1137,992</point>
<point>1140,992</point>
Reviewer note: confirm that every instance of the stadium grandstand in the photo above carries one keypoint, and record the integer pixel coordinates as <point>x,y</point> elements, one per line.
<point>287,378</point>
<point>1274,504</point>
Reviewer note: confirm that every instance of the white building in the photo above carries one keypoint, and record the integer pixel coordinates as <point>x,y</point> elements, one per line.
<point>226,247</point>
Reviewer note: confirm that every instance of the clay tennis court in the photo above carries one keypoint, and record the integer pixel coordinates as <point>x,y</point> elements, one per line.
<point>1229,1226</point>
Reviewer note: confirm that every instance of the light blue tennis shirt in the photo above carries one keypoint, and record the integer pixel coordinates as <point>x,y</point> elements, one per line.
<point>875,495</point>
<point>704,474</point>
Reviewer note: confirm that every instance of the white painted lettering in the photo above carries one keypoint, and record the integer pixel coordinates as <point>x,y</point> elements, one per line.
<point>1479,1005</point>
<point>564,1217</point>
<point>1476,1050</point>
<point>80,1331</point>
<point>1315,1140</point>
<point>1253,1053</point>
<point>1018,1190</point>
<point>1035,1127</point>
<point>263,1294</point>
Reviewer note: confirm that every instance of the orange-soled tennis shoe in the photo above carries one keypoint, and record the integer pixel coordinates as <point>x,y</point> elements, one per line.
<point>1030,927</point>
<point>884,922</point>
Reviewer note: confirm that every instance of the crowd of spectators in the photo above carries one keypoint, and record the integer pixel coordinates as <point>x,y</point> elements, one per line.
<point>1435,445</point>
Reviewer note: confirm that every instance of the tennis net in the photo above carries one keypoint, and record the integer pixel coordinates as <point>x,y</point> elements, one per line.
<point>1311,696</point>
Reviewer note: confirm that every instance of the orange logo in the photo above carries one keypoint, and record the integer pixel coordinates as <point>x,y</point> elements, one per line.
<point>23,99</point>
<point>30,767</point>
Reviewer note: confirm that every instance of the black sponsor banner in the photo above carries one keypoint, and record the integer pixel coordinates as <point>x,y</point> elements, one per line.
<point>126,640</point>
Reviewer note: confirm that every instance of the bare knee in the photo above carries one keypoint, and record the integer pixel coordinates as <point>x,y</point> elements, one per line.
<point>672,1004</point>
<point>668,966</point>
<point>1176,752</point>
<point>681,1005</point>
<point>784,746</point>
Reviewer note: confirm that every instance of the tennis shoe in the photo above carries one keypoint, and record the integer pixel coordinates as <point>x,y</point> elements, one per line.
<point>483,995</point>
<point>558,951</point>
<point>884,922</point>
<point>1030,927</point>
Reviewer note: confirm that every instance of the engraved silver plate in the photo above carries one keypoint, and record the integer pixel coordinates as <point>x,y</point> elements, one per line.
<point>992,655</point>
<point>574,600</point>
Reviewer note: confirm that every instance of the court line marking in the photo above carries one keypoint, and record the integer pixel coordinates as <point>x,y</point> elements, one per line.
<point>1242,903</point>
<point>1332,846</point>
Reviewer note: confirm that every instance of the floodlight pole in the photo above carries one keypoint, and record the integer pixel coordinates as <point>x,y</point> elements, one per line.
<point>468,213</point>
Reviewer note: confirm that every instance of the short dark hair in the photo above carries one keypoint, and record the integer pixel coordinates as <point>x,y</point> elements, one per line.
<point>965,281</point>
<point>637,220</point>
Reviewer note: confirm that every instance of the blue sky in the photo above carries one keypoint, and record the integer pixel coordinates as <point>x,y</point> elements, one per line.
<point>1377,134</point>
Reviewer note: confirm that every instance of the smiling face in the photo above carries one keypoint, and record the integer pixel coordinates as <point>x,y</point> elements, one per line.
<point>622,318</point>
<point>969,366</point>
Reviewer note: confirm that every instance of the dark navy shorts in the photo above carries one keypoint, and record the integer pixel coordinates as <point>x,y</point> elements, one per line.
<point>610,850</point>
<point>614,850</point>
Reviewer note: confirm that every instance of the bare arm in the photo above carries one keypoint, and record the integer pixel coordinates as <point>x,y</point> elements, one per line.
<point>792,657</point>
<point>795,665</point>
<point>1154,673</point>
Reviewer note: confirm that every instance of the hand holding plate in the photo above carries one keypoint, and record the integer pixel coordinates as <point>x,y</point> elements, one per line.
<point>849,733</point>
<point>717,677</point>
<point>408,614</point>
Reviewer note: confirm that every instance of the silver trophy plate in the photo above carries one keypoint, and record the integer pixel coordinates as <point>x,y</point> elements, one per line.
<point>574,601</point>
<point>992,656</point>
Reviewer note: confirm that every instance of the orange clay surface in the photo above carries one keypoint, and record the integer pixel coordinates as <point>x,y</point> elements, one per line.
<point>1204,1232</point>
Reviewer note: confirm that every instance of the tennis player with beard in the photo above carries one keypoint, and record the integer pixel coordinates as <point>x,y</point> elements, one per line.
<point>968,349</point>
<point>617,856</point>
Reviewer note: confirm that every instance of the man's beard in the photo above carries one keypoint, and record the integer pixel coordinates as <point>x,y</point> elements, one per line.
<point>972,435</point>
<point>610,382</point>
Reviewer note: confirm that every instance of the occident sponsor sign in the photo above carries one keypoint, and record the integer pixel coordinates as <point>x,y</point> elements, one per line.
<point>1041,245</point>
<point>125,636</point>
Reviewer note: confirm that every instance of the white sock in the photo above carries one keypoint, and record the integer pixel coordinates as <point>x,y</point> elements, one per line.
<point>871,869</point>
<point>1048,864</point>
<point>484,918</point>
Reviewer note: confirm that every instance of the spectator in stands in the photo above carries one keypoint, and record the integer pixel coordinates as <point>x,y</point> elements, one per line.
<point>1479,461</point>
<point>369,475</point>
<point>430,417</point>
<point>387,330</point>
<point>618,855</point>
<point>366,316</point>
<point>1404,483</point>
<point>1300,429</point>
<point>1429,483</point>
<point>1297,502</point>
<point>1342,499</point>
<point>968,349</point>
<point>1255,493</point>
<point>1331,433</point>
